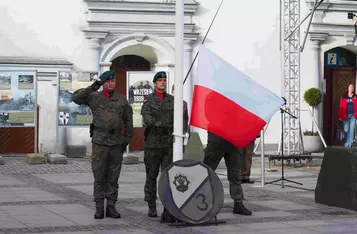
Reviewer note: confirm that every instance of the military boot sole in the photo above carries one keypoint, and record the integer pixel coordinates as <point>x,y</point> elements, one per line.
<point>152,214</point>
<point>99,216</point>
<point>113,216</point>
<point>244,212</point>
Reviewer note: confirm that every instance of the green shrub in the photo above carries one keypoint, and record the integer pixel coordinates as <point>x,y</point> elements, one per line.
<point>313,98</point>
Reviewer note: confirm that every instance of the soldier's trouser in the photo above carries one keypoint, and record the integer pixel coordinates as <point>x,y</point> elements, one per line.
<point>106,167</point>
<point>248,155</point>
<point>153,159</point>
<point>213,156</point>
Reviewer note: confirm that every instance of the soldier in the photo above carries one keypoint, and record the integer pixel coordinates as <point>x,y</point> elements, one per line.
<point>216,149</point>
<point>158,118</point>
<point>111,111</point>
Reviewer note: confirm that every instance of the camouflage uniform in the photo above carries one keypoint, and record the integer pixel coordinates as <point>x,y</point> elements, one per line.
<point>158,116</point>
<point>216,149</point>
<point>247,162</point>
<point>110,115</point>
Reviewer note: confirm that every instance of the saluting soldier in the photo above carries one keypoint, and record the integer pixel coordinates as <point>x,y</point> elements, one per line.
<point>158,119</point>
<point>111,112</point>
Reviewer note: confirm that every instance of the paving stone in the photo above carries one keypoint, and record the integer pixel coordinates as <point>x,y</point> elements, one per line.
<point>57,159</point>
<point>51,220</point>
<point>64,193</point>
<point>38,158</point>
<point>2,161</point>
<point>282,205</point>
<point>130,159</point>
<point>10,222</point>
<point>76,151</point>
<point>8,180</point>
<point>290,231</point>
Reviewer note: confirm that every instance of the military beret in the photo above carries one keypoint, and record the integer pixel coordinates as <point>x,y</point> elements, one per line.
<point>108,75</point>
<point>159,75</point>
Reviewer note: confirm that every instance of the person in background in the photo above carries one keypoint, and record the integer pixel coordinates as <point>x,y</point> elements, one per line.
<point>347,113</point>
<point>247,164</point>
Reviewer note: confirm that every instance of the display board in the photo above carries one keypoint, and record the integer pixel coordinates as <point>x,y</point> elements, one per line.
<point>139,85</point>
<point>18,98</point>
<point>69,113</point>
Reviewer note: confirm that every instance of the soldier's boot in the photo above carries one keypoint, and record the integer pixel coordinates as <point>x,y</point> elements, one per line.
<point>239,208</point>
<point>166,217</point>
<point>99,213</point>
<point>152,209</point>
<point>112,212</point>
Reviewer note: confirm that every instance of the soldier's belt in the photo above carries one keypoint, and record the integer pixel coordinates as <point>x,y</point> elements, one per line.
<point>107,130</point>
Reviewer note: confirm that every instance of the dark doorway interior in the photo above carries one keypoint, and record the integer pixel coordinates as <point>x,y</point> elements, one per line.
<point>122,65</point>
<point>337,79</point>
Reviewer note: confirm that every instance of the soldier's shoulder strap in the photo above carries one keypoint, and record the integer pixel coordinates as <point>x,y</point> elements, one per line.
<point>169,96</point>
<point>149,97</point>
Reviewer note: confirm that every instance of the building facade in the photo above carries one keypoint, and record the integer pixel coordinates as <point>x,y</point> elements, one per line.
<point>97,35</point>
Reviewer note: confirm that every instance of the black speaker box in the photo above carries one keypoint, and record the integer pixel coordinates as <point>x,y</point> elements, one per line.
<point>337,181</point>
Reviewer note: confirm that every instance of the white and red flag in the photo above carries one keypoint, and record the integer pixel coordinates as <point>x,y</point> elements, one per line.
<point>228,103</point>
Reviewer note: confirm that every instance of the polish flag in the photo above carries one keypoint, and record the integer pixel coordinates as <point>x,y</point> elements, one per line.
<point>228,103</point>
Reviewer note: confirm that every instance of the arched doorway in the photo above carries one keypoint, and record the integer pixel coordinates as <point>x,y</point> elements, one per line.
<point>339,72</point>
<point>122,65</point>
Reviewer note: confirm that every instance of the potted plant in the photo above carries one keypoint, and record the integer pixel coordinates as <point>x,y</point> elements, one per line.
<point>312,141</point>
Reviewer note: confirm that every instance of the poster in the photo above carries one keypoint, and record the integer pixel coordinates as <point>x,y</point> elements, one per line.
<point>26,82</point>
<point>139,85</point>
<point>5,82</point>
<point>69,113</point>
<point>17,98</point>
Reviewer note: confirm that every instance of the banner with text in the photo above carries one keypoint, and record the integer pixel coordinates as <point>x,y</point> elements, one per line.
<point>69,113</point>
<point>17,98</point>
<point>139,85</point>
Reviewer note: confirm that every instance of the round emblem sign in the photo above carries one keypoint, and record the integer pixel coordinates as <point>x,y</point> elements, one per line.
<point>191,191</point>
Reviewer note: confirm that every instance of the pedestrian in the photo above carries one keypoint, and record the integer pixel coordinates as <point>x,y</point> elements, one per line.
<point>218,148</point>
<point>111,112</point>
<point>158,120</point>
<point>347,113</point>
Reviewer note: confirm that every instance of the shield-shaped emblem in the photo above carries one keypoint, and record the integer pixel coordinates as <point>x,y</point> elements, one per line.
<point>191,190</point>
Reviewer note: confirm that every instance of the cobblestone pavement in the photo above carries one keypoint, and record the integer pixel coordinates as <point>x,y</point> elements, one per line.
<point>58,199</point>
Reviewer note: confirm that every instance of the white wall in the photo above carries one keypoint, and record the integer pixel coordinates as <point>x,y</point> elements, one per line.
<point>245,33</point>
<point>42,28</point>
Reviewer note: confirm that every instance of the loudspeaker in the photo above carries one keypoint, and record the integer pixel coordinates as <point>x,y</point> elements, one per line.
<point>337,181</point>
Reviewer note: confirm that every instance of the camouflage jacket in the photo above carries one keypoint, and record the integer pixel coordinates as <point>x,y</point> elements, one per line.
<point>219,142</point>
<point>158,120</point>
<point>110,115</point>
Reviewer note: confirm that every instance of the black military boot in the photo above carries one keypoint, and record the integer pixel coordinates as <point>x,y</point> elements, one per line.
<point>112,212</point>
<point>152,209</point>
<point>239,208</point>
<point>166,217</point>
<point>99,213</point>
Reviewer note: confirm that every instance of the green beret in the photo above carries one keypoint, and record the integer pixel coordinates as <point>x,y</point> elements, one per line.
<point>108,75</point>
<point>158,75</point>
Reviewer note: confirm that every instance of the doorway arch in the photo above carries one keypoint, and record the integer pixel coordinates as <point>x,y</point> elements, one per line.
<point>122,65</point>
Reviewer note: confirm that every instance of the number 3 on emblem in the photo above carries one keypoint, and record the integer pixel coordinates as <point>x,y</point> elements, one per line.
<point>204,204</point>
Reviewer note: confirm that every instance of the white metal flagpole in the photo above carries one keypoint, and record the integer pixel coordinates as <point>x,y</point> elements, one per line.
<point>178,104</point>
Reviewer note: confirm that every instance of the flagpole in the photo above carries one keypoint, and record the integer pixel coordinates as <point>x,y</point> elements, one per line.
<point>178,102</point>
